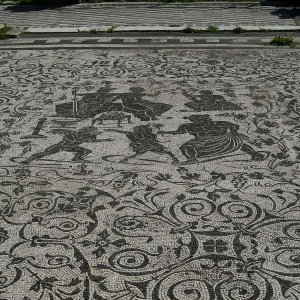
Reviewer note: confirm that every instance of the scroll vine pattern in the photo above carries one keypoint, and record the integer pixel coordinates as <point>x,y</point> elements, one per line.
<point>113,196</point>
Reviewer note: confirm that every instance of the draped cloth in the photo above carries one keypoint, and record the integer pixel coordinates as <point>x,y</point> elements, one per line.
<point>209,146</point>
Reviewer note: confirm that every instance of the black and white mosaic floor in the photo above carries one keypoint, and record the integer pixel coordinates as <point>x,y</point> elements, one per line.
<point>143,174</point>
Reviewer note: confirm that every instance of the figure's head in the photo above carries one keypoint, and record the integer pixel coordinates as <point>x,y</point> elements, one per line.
<point>199,119</point>
<point>137,90</point>
<point>142,129</point>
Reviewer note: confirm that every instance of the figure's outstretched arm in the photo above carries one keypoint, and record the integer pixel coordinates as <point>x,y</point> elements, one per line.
<point>117,130</point>
<point>152,95</point>
<point>105,140</point>
<point>169,132</point>
<point>180,130</point>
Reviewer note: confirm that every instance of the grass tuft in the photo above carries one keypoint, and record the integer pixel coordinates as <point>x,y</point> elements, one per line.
<point>282,41</point>
<point>238,29</point>
<point>190,29</point>
<point>95,31</point>
<point>4,32</point>
<point>212,29</point>
<point>111,29</point>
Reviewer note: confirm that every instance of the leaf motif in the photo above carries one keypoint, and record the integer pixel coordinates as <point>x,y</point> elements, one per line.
<point>104,234</point>
<point>74,282</point>
<point>17,260</point>
<point>113,203</point>
<point>213,196</point>
<point>180,197</point>
<point>235,197</point>
<point>99,252</point>
<point>223,190</point>
<point>101,207</point>
<point>291,204</point>
<point>86,243</point>
<point>26,147</point>
<point>119,243</point>
<point>39,182</point>
<point>97,297</point>
<point>85,188</point>
<point>128,194</point>
<point>120,208</point>
<point>138,200</point>
<point>18,190</point>
<point>35,287</point>
<point>74,292</point>
<point>102,267</point>
<point>7,183</point>
<point>162,177</point>
<point>150,188</point>
<point>177,251</point>
<point>278,191</point>
<point>195,191</point>
<point>150,239</point>
<point>160,249</point>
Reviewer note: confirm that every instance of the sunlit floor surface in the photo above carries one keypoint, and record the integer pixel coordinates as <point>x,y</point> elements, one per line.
<point>145,174</point>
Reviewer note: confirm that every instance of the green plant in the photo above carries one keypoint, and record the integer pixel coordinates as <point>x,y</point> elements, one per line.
<point>212,28</point>
<point>24,31</point>
<point>111,29</point>
<point>190,29</point>
<point>282,41</point>
<point>94,31</point>
<point>4,32</point>
<point>238,29</point>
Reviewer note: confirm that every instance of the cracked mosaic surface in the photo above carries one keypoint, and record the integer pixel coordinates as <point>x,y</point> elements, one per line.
<point>150,175</point>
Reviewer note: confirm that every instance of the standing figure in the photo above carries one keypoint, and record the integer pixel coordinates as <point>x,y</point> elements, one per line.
<point>212,139</point>
<point>207,101</point>
<point>89,105</point>
<point>143,140</point>
<point>134,103</point>
<point>105,101</point>
<point>71,143</point>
